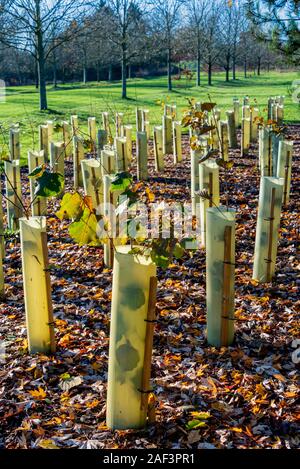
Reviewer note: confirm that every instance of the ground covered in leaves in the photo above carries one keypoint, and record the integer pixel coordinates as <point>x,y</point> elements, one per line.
<point>247,393</point>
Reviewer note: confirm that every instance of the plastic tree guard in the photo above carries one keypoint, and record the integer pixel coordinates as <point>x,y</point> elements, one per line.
<point>284,167</point>
<point>267,230</point>
<point>220,276</point>
<point>177,142</point>
<point>37,288</point>
<point>142,156</point>
<point>158,149</point>
<point>92,181</point>
<point>13,193</point>
<point>128,387</point>
<point>38,204</point>
<point>209,173</point>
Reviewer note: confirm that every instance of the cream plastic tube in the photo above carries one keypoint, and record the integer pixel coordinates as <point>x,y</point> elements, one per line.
<point>195,157</point>
<point>209,177</point>
<point>246,112</point>
<point>50,126</point>
<point>142,156</point>
<point>92,181</point>
<point>267,230</point>
<point>158,149</point>
<point>38,204</point>
<point>37,287</point>
<point>236,106</point>
<point>67,131</point>
<point>220,276</point>
<point>139,120</point>
<point>74,125</point>
<point>128,135</point>
<point>167,135</point>
<point>224,144</point>
<point>284,167</point>
<point>102,141</point>
<point>275,140</point>
<point>14,144</point>
<point>92,129</point>
<point>111,202</point>
<point>78,157</point>
<point>246,127</point>
<point>108,162</point>
<point>2,240</point>
<point>121,154</point>
<point>44,141</point>
<point>177,141</point>
<point>231,129</point>
<point>265,152</point>
<point>106,122</point>
<point>13,193</point>
<point>130,301</point>
<point>254,124</point>
<point>119,124</point>
<point>57,157</point>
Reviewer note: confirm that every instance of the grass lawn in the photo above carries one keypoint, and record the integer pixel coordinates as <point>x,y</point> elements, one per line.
<point>21,104</point>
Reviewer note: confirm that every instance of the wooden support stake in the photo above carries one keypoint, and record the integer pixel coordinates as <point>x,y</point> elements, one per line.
<point>151,316</point>
<point>270,241</point>
<point>286,177</point>
<point>226,286</point>
<point>210,176</point>
<point>49,293</point>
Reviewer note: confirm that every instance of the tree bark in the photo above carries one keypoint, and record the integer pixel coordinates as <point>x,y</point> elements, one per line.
<point>41,60</point>
<point>110,73</point>
<point>198,60</point>
<point>124,72</point>
<point>210,72</point>
<point>169,69</point>
<point>234,67</point>
<point>84,79</point>
<point>258,66</point>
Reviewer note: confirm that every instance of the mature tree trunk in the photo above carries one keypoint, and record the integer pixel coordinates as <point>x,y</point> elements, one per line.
<point>84,78</point>
<point>64,75</point>
<point>169,69</point>
<point>36,74</point>
<point>198,60</point>
<point>110,73</point>
<point>245,67</point>
<point>41,61</point>
<point>234,66</point>
<point>98,71</point>
<point>258,66</point>
<point>210,72</point>
<point>124,72</point>
<point>54,74</point>
<point>227,68</point>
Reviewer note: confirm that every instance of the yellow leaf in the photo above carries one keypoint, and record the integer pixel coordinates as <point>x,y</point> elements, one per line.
<point>150,195</point>
<point>39,395</point>
<point>236,430</point>
<point>48,444</point>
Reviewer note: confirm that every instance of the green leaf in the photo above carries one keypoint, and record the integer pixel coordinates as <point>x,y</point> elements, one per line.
<point>194,424</point>
<point>121,182</point>
<point>160,260</point>
<point>71,207</point>
<point>37,173</point>
<point>50,185</point>
<point>178,251</point>
<point>84,231</point>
